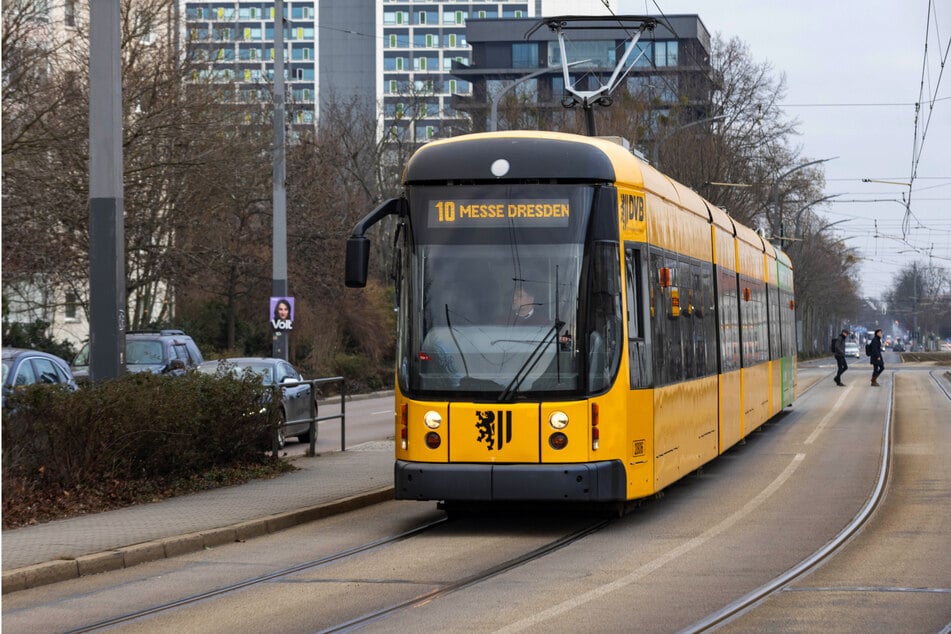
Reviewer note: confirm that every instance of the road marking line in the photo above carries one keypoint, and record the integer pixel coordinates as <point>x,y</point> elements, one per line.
<point>659,562</point>
<point>822,424</point>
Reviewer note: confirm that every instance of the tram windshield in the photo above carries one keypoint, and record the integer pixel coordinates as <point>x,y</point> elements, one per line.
<point>490,286</point>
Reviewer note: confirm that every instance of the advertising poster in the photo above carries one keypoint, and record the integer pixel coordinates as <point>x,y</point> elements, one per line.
<point>282,313</point>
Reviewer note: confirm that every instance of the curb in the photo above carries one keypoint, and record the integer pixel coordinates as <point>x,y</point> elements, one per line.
<point>127,556</point>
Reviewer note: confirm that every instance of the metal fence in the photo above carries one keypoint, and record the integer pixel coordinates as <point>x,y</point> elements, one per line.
<point>316,417</point>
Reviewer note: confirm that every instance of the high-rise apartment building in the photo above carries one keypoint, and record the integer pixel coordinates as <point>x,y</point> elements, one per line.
<point>236,40</point>
<point>395,54</point>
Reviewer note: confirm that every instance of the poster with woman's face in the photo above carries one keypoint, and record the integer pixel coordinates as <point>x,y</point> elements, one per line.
<point>282,313</point>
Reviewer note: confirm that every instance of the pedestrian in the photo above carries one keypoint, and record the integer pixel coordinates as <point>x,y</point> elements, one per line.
<point>875,356</point>
<point>839,351</point>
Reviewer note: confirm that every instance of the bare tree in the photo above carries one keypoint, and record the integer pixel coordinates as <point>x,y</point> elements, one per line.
<point>921,298</point>
<point>178,133</point>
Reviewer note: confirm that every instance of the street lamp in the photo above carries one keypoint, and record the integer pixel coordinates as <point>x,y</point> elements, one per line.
<point>655,146</point>
<point>779,179</point>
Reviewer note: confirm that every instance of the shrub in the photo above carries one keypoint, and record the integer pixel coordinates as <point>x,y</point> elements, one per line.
<point>362,374</point>
<point>138,427</point>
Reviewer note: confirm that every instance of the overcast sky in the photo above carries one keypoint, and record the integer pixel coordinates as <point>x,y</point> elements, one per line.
<point>854,71</point>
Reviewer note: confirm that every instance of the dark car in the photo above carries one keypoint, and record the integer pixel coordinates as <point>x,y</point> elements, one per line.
<point>157,351</point>
<point>296,400</point>
<point>23,367</point>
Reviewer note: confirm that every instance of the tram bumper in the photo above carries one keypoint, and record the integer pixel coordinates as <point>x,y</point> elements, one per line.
<point>582,482</point>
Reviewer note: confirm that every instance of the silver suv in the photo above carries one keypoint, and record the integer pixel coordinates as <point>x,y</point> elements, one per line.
<point>158,351</point>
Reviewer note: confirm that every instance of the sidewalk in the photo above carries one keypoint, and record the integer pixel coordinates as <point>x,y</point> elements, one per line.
<point>323,485</point>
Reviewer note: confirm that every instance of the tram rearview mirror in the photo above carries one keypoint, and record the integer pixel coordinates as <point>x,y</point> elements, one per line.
<point>358,261</point>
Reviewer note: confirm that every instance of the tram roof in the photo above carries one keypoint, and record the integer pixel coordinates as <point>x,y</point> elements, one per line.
<point>543,156</point>
<point>530,155</point>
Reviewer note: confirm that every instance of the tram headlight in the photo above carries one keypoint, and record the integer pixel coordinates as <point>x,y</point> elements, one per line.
<point>432,419</point>
<point>558,420</point>
<point>433,440</point>
<point>558,440</point>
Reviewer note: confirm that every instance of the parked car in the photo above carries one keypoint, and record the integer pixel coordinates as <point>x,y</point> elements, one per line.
<point>23,367</point>
<point>852,349</point>
<point>296,400</point>
<point>158,351</point>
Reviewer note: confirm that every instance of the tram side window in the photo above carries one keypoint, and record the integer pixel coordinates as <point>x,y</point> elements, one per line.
<point>604,317</point>
<point>728,301</point>
<point>753,320</point>
<point>696,320</point>
<point>788,324</point>
<point>687,326</point>
<point>773,313</point>
<point>637,345</point>
<point>706,307</point>
<point>667,332</point>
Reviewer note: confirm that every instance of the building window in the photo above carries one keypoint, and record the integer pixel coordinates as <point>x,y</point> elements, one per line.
<point>69,13</point>
<point>524,55</point>
<point>666,53</point>
<point>72,307</point>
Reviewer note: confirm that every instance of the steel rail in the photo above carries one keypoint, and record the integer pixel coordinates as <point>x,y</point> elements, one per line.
<point>941,384</point>
<point>245,583</point>
<point>757,596</point>
<point>471,580</point>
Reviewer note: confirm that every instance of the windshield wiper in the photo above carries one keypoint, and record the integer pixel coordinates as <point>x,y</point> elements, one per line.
<point>452,334</point>
<point>550,337</point>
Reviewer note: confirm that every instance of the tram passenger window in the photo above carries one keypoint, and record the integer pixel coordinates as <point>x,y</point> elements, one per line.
<point>604,319</point>
<point>637,345</point>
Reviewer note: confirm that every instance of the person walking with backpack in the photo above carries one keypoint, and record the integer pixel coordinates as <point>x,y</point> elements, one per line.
<point>875,357</point>
<point>838,349</point>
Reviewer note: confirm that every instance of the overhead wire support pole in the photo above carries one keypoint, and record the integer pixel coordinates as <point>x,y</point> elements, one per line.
<point>107,317</point>
<point>279,193</point>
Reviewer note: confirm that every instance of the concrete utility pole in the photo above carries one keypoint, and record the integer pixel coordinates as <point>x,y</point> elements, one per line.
<point>279,238</point>
<point>107,319</point>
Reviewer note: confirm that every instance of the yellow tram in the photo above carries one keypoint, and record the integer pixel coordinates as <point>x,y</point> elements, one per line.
<point>573,324</point>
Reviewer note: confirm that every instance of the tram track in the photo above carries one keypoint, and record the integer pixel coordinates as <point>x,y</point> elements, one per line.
<point>361,620</point>
<point>748,602</point>
<point>260,579</point>
<point>471,580</point>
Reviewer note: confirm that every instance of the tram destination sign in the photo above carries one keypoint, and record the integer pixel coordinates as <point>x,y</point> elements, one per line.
<point>486,214</point>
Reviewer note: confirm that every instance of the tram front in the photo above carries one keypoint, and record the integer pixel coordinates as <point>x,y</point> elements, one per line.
<point>509,323</point>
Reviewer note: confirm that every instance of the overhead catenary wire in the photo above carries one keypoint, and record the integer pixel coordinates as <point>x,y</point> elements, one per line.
<point>919,141</point>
